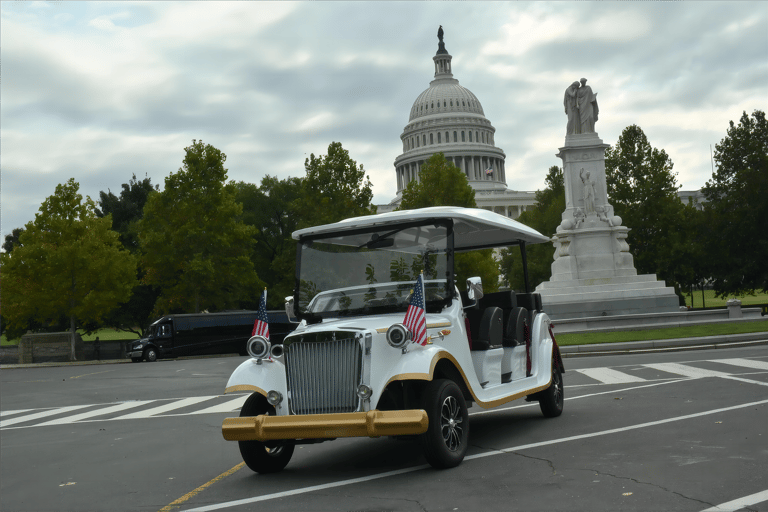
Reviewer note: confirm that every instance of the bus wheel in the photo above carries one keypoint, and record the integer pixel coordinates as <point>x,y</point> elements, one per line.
<point>150,355</point>
<point>256,454</point>
<point>446,440</point>
<point>551,399</point>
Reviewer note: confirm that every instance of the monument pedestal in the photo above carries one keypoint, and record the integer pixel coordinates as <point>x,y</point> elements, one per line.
<point>593,273</point>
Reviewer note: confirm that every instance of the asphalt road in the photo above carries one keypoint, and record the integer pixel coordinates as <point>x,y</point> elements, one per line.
<point>671,431</point>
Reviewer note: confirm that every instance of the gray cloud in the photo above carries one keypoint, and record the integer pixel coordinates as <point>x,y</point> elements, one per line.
<point>98,91</point>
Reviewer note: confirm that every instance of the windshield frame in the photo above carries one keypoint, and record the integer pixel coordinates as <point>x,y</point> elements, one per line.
<point>384,228</point>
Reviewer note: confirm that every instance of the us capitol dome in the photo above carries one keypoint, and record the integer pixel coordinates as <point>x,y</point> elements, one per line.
<point>449,118</point>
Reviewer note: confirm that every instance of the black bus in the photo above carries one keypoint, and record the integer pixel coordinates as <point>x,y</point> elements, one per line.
<point>204,333</point>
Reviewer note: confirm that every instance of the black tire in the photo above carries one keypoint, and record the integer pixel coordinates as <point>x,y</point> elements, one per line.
<point>257,455</point>
<point>150,355</point>
<point>551,399</point>
<point>446,440</point>
<point>135,359</point>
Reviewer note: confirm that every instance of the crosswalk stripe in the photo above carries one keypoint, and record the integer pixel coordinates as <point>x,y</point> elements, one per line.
<point>228,406</point>
<point>11,413</point>
<point>97,412</point>
<point>746,363</point>
<point>685,370</point>
<point>176,404</point>
<point>609,376</point>
<point>43,414</point>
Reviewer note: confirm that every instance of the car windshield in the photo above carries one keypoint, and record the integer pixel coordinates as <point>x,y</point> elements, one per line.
<point>375,271</point>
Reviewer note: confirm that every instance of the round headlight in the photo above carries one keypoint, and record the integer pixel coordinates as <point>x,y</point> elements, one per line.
<point>274,397</point>
<point>258,347</point>
<point>277,351</point>
<point>398,335</point>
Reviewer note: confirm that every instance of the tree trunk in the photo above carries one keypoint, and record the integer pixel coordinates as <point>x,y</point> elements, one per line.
<point>72,336</point>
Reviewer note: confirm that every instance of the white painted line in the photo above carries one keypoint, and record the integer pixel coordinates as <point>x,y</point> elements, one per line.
<point>740,379</point>
<point>685,370</point>
<point>746,363</point>
<point>746,501</point>
<point>97,412</point>
<point>228,406</point>
<point>176,404</point>
<point>11,413</point>
<point>609,376</point>
<point>44,414</point>
<point>341,483</point>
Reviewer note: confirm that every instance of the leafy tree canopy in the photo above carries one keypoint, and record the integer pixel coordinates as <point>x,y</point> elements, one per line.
<point>127,209</point>
<point>271,209</point>
<point>441,183</point>
<point>195,247</point>
<point>544,217</point>
<point>12,239</point>
<point>643,191</point>
<point>334,189</point>
<point>737,208</point>
<point>69,264</point>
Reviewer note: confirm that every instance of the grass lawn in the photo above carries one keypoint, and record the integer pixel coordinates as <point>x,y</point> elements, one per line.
<point>103,334</point>
<point>711,301</point>
<point>661,334</point>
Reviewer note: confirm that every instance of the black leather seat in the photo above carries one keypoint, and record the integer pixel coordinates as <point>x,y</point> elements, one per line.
<point>490,330</point>
<point>514,330</point>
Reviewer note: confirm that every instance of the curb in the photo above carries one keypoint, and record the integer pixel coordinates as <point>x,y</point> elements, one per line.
<point>93,362</point>
<point>678,344</point>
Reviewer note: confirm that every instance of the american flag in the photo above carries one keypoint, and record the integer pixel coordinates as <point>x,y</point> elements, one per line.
<point>261,325</point>
<point>415,317</point>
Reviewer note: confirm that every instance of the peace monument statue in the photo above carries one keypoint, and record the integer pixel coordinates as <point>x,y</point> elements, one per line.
<point>581,108</point>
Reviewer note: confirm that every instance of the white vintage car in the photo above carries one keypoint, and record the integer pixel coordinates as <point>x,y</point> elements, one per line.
<point>350,369</point>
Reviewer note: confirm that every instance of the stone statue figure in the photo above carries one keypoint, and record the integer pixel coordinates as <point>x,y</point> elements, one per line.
<point>572,109</point>
<point>587,103</point>
<point>440,33</point>
<point>589,192</point>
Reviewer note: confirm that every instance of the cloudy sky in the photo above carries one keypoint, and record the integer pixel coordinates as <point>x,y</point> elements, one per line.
<point>100,90</point>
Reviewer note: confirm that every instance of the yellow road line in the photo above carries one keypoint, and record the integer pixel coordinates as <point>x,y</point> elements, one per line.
<point>200,489</point>
<point>94,373</point>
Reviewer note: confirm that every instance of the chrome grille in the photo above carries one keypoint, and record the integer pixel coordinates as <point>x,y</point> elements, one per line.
<point>323,375</point>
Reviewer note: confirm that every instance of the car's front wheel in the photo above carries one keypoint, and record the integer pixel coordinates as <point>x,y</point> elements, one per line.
<point>256,454</point>
<point>150,355</point>
<point>446,440</point>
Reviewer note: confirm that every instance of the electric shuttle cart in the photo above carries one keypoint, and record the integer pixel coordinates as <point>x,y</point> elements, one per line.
<point>351,368</point>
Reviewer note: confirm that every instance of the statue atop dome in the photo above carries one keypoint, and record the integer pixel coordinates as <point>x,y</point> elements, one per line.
<point>440,33</point>
<point>441,45</point>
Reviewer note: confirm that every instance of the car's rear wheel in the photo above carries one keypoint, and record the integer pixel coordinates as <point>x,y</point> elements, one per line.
<point>256,454</point>
<point>551,400</point>
<point>446,440</point>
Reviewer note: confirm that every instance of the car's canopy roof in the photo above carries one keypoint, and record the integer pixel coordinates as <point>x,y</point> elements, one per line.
<point>473,228</point>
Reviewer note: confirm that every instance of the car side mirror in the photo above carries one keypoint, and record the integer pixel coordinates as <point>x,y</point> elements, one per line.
<point>289,309</point>
<point>474,290</point>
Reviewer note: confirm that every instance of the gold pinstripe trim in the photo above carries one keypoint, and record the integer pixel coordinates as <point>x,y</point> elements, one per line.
<point>245,387</point>
<point>484,405</point>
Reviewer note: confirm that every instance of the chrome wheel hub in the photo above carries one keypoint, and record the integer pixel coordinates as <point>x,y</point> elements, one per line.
<point>451,423</point>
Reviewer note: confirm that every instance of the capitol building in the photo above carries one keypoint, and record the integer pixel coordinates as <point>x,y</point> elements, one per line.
<point>449,118</point>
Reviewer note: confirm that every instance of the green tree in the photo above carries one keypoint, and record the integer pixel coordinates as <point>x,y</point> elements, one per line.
<point>126,211</point>
<point>195,247</point>
<point>12,239</point>
<point>334,189</point>
<point>270,208</point>
<point>643,191</point>
<point>544,217</point>
<point>737,208</point>
<point>69,264</point>
<point>441,183</point>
